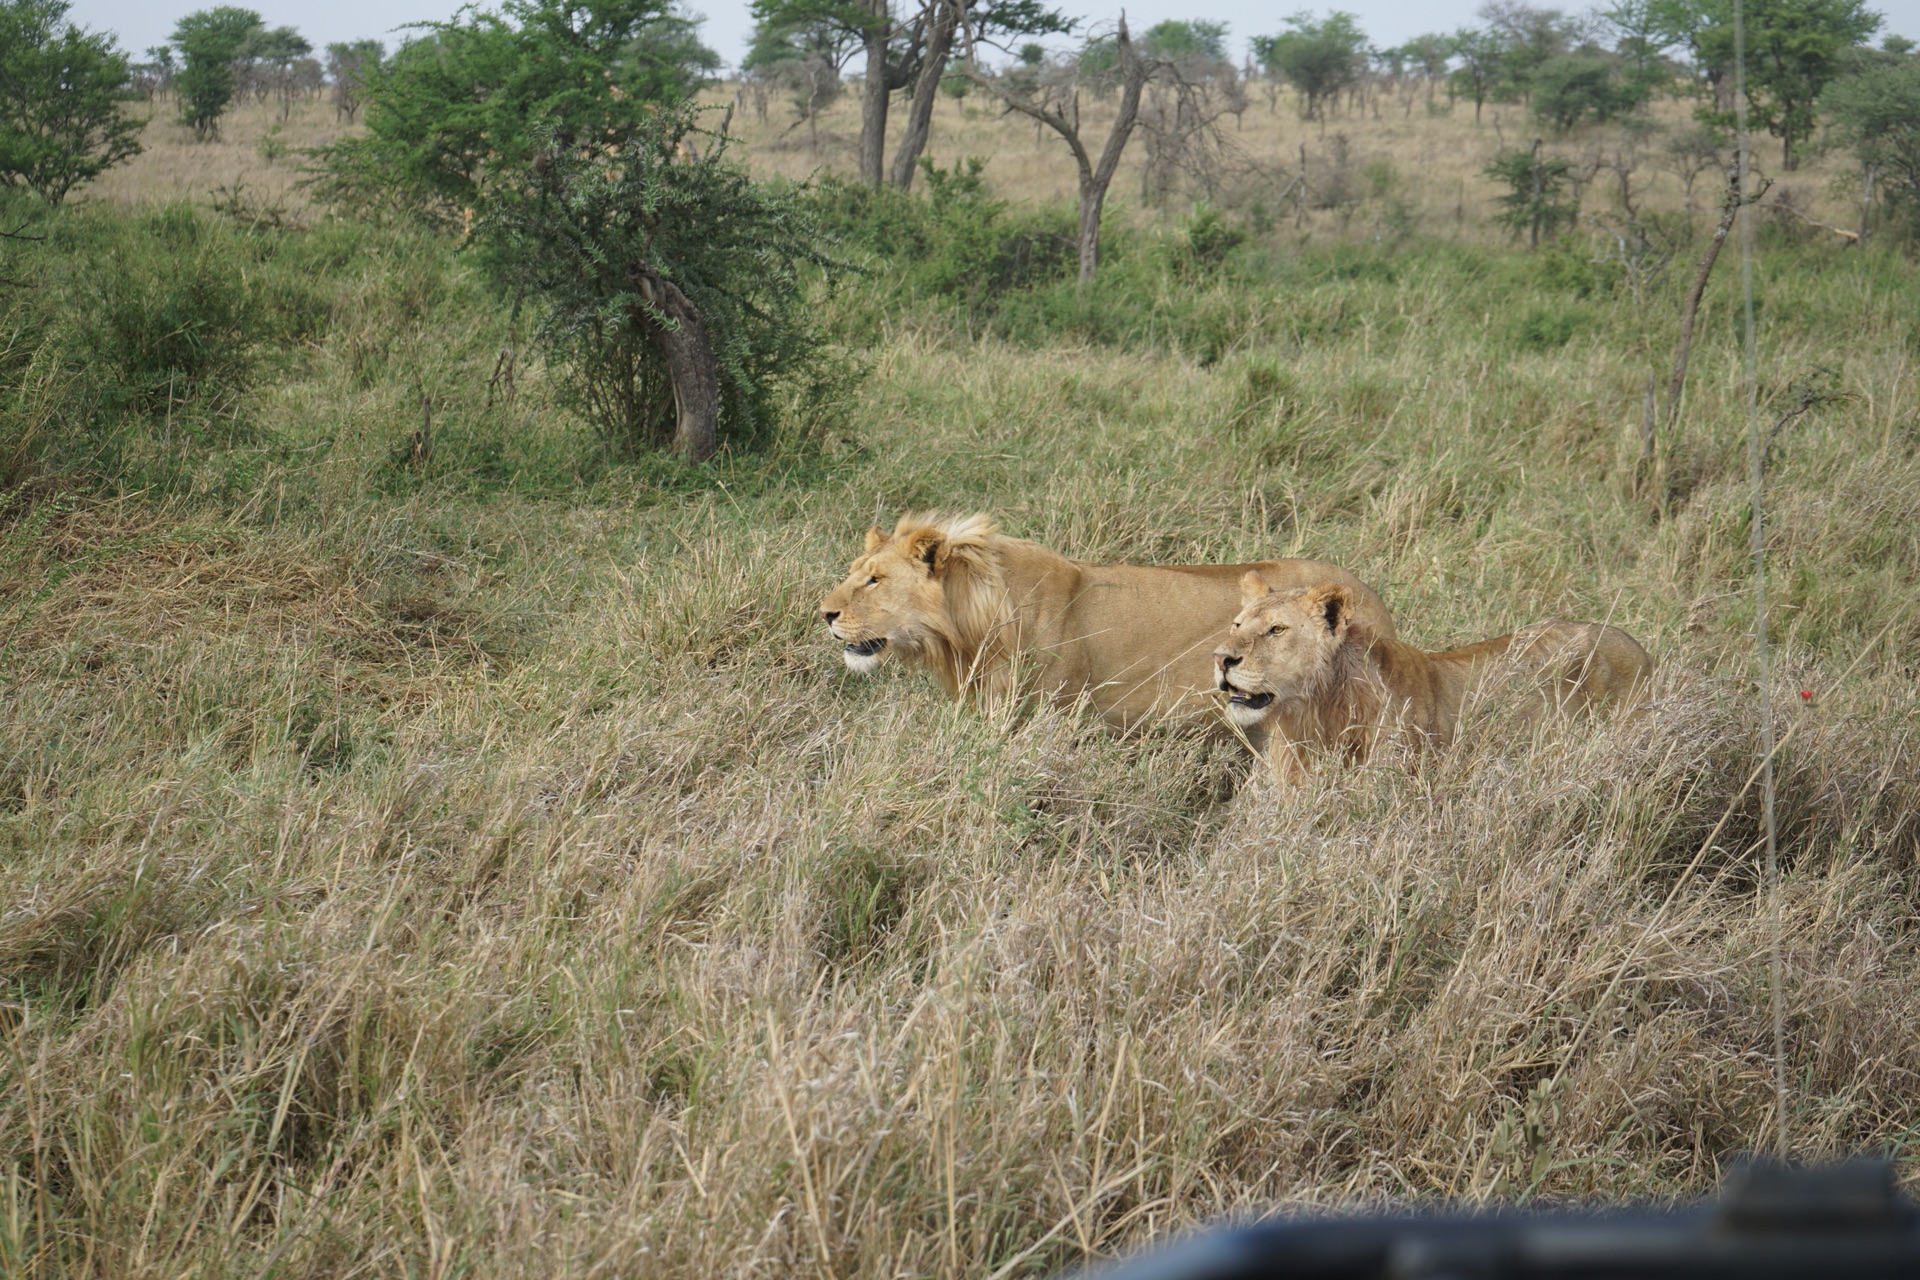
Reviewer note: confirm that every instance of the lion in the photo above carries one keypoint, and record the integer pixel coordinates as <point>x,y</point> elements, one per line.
<point>993,616</point>
<point>1304,666</point>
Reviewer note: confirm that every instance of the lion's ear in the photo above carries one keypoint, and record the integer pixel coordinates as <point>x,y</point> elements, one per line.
<point>1253,587</point>
<point>926,546</point>
<point>876,538</point>
<point>1331,602</point>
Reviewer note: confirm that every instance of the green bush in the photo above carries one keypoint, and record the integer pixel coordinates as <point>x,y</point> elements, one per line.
<point>211,44</point>
<point>952,241</point>
<point>163,312</point>
<point>1208,239</point>
<point>1576,88</point>
<point>955,256</point>
<point>1536,201</point>
<point>1540,329</point>
<point>578,239</point>
<point>152,326</point>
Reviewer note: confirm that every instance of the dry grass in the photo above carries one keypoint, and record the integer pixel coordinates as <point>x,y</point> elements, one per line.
<point>1406,172</point>
<point>174,166</point>
<point>438,875</point>
<point>1430,165</point>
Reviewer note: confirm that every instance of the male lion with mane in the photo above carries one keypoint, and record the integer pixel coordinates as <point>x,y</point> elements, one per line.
<point>1303,665</point>
<point>992,616</point>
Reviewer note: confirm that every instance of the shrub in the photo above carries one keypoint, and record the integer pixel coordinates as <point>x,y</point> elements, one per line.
<point>1208,239</point>
<point>1581,87</point>
<point>163,313</point>
<point>125,330</point>
<point>1536,200</point>
<point>954,241</point>
<point>599,238</point>
<point>1542,330</point>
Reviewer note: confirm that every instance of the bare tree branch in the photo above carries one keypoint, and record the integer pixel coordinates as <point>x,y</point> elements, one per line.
<point>1690,308</point>
<point>1851,237</point>
<point>1095,178</point>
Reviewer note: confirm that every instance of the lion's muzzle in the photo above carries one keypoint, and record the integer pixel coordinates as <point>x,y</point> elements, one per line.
<point>862,656</point>
<point>1243,708</point>
<point>1237,698</point>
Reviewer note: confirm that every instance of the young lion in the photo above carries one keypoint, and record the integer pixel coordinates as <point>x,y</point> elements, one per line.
<point>990,615</point>
<point>1303,666</point>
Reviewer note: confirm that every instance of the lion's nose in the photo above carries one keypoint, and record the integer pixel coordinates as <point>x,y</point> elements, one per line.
<point>829,615</point>
<point>1225,660</point>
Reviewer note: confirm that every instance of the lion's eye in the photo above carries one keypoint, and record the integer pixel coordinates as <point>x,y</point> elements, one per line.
<point>1275,629</point>
<point>873,581</point>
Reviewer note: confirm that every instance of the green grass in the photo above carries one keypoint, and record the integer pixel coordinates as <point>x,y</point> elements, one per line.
<point>489,868</point>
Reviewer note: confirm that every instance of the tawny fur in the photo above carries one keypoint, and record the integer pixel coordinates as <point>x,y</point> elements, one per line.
<point>992,616</point>
<point>1300,666</point>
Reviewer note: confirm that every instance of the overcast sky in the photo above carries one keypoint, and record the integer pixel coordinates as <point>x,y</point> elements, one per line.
<point>140,23</point>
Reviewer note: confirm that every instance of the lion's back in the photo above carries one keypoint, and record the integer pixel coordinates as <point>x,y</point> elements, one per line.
<point>1589,662</point>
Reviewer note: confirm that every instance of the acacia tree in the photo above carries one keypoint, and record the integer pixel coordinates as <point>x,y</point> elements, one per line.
<point>60,122</point>
<point>1877,114</point>
<point>1536,200</point>
<point>1432,52</point>
<point>1193,86</point>
<point>1123,67</point>
<point>901,53</point>
<point>942,20</point>
<point>1794,49</point>
<point>1482,55</point>
<point>460,104</point>
<point>802,61</point>
<point>1530,36</point>
<point>274,55</point>
<point>1642,35</point>
<point>889,62</point>
<point>1319,59</point>
<point>670,284</point>
<point>349,64</point>
<point>210,43</point>
<point>1581,86</point>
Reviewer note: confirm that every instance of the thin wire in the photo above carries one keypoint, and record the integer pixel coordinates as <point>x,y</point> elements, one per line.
<point>1757,479</point>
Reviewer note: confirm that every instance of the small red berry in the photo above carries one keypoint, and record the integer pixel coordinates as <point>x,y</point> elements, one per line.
<point>1807,694</point>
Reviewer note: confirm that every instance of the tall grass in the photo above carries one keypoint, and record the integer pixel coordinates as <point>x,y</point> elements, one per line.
<point>486,866</point>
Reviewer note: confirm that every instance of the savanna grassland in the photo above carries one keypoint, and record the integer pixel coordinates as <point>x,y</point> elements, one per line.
<point>475,860</point>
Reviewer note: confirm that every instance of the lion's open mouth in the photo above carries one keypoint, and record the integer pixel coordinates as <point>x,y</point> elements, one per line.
<point>1251,701</point>
<point>867,648</point>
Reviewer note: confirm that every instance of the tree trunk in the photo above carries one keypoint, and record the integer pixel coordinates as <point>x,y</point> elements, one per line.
<point>920,114</point>
<point>691,366</point>
<point>1092,201</point>
<point>1866,203</point>
<point>873,100</point>
<point>1135,71</point>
